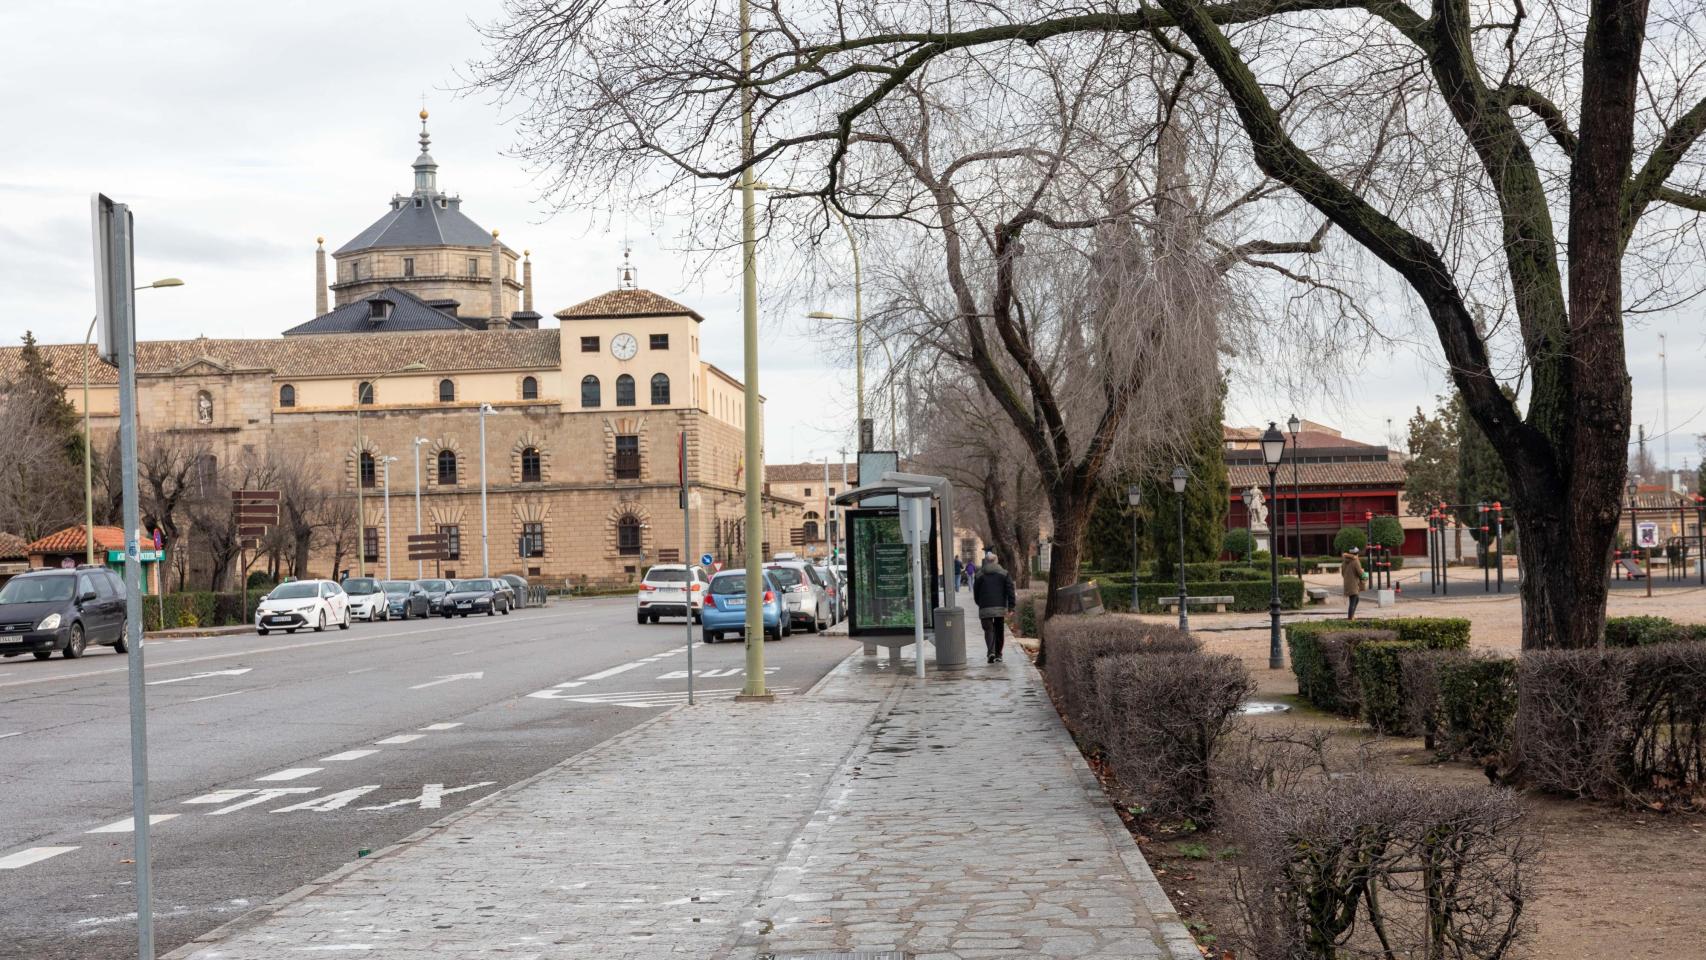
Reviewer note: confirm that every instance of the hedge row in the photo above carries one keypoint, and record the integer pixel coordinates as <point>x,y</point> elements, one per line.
<point>1248,596</point>
<point>1642,631</point>
<point>1325,679</point>
<point>1462,703</point>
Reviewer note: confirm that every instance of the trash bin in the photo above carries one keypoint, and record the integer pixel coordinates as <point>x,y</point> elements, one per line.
<point>950,638</point>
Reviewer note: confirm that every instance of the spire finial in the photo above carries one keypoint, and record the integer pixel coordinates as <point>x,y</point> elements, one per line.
<point>627,275</point>
<point>426,168</point>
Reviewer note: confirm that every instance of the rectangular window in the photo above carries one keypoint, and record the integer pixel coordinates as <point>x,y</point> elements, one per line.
<point>533,539</point>
<point>627,458</point>
<point>452,535</point>
<point>370,544</point>
<point>660,341</point>
<point>408,266</point>
<point>589,344</point>
<point>808,491</point>
<point>355,270</point>
<point>473,266</point>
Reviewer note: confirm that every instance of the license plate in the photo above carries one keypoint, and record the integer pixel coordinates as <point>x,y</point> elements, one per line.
<point>278,619</point>
<point>735,602</point>
<point>465,603</point>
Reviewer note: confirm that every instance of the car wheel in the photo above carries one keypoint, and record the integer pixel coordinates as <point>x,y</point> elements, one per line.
<point>787,629</point>
<point>640,618</point>
<point>506,609</point>
<point>74,646</point>
<point>492,610</point>
<point>260,630</point>
<point>707,636</point>
<point>697,618</point>
<point>405,613</point>
<point>290,630</point>
<point>345,624</point>
<point>41,654</point>
<point>815,626</point>
<point>122,645</point>
<point>320,623</point>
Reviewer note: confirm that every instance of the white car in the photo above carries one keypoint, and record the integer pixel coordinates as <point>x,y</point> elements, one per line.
<point>805,598</point>
<point>671,590</point>
<point>367,599</point>
<point>303,603</point>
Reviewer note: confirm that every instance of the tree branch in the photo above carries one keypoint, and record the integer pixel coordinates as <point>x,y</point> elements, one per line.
<point>1649,184</point>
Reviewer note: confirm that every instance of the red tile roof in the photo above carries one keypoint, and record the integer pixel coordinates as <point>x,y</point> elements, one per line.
<point>1387,473</point>
<point>626,303</point>
<point>807,472</point>
<point>12,547</point>
<point>72,540</point>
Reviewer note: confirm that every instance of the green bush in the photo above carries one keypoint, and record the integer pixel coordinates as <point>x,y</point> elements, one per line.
<point>1349,537</point>
<point>1232,572</point>
<point>1315,679</point>
<point>1380,682</point>
<point>1477,706</point>
<point>1388,532</point>
<point>198,608</point>
<point>1338,690</point>
<point>1238,543</point>
<point>1643,631</point>
<point>1248,596</point>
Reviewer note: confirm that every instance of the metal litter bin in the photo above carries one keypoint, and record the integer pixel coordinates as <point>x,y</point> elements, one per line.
<point>950,638</point>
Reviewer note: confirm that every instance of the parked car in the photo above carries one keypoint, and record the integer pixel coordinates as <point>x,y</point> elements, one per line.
<point>367,600</point>
<point>303,603</point>
<point>435,591</point>
<point>66,610</point>
<point>407,599</point>
<point>804,598</point>
<point>670,590</point>
<point>485,596</point>
<point>725,607</point>
<point>836,588</point>
<point>517,588</point>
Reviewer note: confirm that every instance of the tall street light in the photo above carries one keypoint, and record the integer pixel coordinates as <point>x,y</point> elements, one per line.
<point>385,465</point>
<point>1296,515</point>
<point>753,449</point>
<point>1133,497</point>
<point>485,540</point>
<point>1273,448</point>
<point>88,467</point>
<point>1180,478</point>
<point>360,506</point>
<point>420,565</point>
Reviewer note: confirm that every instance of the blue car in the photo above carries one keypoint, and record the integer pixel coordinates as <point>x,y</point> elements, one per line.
<point>725,607</point>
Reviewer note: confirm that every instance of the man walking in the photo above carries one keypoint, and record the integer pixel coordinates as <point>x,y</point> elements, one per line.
<point>1350,567</point>
<point>992,591</point>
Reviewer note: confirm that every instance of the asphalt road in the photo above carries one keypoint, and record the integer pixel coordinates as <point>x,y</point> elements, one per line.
<point>275,759</point>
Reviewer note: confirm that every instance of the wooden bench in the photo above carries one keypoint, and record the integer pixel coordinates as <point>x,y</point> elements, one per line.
<point>1317,594</point>
<point>1220,603</point>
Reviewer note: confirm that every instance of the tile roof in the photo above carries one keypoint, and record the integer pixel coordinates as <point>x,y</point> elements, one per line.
<point>408,312</point>
<point>328,355</point>
<point>427,225</point>
<point>1389,472</point>
<point>12,547</point>
<point>627,303</point>
<point>804,472</point>
<point>72,540</point>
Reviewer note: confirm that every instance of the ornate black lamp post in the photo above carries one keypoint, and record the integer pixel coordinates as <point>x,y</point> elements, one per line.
<point>1179,479</point>
<point>1273,448</point>
<point>1133,497</point>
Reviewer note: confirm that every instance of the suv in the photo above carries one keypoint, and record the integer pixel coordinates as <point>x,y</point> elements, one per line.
<point>670,590</point>
<point>804,596</point>
<point>46,610</point>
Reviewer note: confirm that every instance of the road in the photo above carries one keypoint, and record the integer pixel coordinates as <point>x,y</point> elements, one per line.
<point>275,759</point>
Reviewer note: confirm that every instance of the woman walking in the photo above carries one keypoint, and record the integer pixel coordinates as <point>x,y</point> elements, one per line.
<point>1351,569</point>
<point>992,591</point>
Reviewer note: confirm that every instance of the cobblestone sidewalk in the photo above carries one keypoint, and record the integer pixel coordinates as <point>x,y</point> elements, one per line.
<point>948,819</point>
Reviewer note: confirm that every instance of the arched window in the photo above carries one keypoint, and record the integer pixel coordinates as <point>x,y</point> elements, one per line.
<point>287,396</point>
<point>367,477</point>
<point>447,468</point>
<point>529,388</point>
<point>660,389</point>
<point>446,391</point>
<point>530,472</point>
<point>589,391</point>
<point>810,527</point>
<point>364,392</point>
<point>624,391</point>
<point>628,535</point>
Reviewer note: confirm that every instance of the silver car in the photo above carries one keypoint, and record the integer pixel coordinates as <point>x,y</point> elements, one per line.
<point>805,597</point>
<point>837,589</point>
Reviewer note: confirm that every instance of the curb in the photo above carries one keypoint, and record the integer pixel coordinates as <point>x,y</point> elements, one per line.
<point>1176,939</point>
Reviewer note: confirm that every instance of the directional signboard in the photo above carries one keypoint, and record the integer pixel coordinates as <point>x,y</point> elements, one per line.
<point>429,546</point>
<point>705,559</point>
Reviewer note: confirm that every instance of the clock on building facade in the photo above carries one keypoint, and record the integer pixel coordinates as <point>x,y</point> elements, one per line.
<point>623,346</point>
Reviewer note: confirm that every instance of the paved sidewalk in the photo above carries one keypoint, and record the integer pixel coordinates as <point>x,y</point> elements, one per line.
<point>950,819</point>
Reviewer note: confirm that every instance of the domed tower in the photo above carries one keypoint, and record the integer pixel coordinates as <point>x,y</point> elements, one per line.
<point>427,247</point>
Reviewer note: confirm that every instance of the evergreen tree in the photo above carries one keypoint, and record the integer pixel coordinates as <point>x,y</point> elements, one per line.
<point>1431,472</point>
<point>1107,536</point>
<point>1388,532</point>
<point>1206,500</point>
<point>41,478</point>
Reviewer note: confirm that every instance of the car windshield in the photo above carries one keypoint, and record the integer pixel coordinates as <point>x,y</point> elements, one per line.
<point>300,590</point>
<point>435,586</point>
<point>666,576</point>
<point>786,576</point>
<point>37,590</point>
<point>361,586</point>
<point>728,584</point>
<point>470,586</point>
<point>398,588</point>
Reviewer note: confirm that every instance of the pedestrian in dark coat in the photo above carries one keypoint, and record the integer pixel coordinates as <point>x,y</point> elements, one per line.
<point>992,591</point>
<point>959,572</point>
<point>1350,568</point>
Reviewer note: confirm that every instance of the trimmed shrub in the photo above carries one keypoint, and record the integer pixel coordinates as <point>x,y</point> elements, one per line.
<point>1642,631</point>
<point>1420,672</point>
<point>1573,718</point>
<point>1162,717</point>
<point>1238,543</point>
<point>1349,537</point>
<point>1076,643</point>
<point>1316,680</point>
<point>1666,752</point>
<point>1380,682</point>
<point>1248,596</point>
<point>1232,572</point>
<point>1477,705</point>
<point>1338,651</point>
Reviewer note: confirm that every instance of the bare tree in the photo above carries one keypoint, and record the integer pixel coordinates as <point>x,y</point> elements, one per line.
<point>303,496</point>
<point>337,517</point>
<point>172,471</point>
<point>40,485</point>
<point>211,511</point>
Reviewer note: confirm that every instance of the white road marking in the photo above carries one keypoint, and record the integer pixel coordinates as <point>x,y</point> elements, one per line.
<point>24,858</point>
<point>441,726</point>
<point>450,678</point>
<point>261,796</point>
<point>19,733</point>
<point>463,653</point>
<point>431,796</point>
<point>218,796</point>
<point>128,824</point>
<point>348,755</point>
<point>362,670</point>
<point>216,696</point>
<point>714,674</point>
<point>631,665</point>
<point>399,738</point>
<point>331,801</point>
<point>294,773</point>
<point>204,675</point>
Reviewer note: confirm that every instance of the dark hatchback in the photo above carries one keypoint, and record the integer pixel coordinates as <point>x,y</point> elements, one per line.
<point>476,596</point>
<point>66,610</point>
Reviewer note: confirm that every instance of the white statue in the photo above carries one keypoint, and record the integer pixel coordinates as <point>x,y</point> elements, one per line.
<point>1258,507</point>
<point>203,408</point>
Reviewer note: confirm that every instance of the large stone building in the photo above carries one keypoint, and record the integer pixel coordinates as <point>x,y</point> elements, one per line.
<point>581,422</point>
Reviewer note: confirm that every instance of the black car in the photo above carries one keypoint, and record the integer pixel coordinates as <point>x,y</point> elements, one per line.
<point>46,610</point>
<point>476,596</point>
<point>407,599</point>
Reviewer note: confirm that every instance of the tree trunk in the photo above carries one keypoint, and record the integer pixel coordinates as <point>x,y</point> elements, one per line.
<point>1067,549</point>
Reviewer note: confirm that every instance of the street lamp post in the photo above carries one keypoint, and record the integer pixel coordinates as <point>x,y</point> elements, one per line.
<point>485,540</point>
<point>1273,447</point>
<point>420,565</point>
<point>385,465</point>
<point>88,457</point>
<point>1133,497</point>
<point>360,505</point>
<point>1180,477</point>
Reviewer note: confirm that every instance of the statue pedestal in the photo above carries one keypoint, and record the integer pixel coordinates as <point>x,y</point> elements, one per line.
<point>1261,535</point>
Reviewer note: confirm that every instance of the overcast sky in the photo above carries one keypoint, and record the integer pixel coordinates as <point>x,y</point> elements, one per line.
<point>240,132</point>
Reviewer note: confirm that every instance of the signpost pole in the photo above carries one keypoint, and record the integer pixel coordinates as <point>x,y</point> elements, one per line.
<point>687,559</point>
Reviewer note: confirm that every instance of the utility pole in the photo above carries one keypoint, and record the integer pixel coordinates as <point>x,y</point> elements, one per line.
<point>753,428</point>
<point>1664,407</point>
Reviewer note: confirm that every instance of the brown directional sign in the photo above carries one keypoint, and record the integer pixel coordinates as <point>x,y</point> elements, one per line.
<point>250,544</point>
<point>429,546</point>
<point>242,496</point>
<point>251,531</point>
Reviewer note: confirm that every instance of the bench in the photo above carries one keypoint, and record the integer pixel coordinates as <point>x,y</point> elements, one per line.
<point>1328,567</point>
<point>1317,594</point>
<point>1220,603</point>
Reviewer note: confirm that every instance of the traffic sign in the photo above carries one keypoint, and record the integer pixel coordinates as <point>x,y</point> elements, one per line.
<point>705,559</point>
<point>255,495</point>
<point>715,567</point>
<point>255,531</point>
<point>1647,534</point>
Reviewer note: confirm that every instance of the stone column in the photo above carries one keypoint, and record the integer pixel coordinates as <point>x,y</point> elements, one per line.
<point>320,308</point>
<point>498,321</point>
<point>526,281</point>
